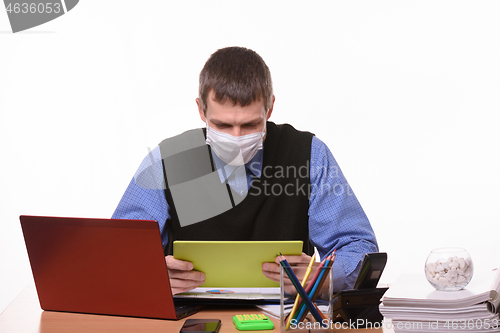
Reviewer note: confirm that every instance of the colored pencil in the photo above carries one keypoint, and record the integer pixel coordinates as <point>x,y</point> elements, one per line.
<point>297,298</point>
<point>301,311</point>
<point>321,282</point>
<point>308,288</point>
<point>300,289</point>
<point>318,277</point>
<point>313,294</point>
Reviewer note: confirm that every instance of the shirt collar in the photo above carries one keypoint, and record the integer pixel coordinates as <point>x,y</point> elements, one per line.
<point>225,170</point>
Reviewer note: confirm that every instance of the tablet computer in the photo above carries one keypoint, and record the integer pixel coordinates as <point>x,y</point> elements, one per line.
<point>234,263</point>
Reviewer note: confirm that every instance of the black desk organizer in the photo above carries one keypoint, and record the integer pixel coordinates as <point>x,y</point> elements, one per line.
<point>360,305</point>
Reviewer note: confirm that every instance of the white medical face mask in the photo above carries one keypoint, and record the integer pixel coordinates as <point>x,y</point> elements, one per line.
<point>235,150</point>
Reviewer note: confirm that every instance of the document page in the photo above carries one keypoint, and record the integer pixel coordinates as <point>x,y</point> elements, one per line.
<point>233,293</point>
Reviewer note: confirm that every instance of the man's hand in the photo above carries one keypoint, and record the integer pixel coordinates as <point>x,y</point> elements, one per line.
<point>272,270</point>
<point>182,277</point>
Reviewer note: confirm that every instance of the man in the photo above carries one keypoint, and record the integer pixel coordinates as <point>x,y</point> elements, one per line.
<point>246,178</point>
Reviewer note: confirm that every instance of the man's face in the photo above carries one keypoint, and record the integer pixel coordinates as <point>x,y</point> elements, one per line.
<point>232,119</point>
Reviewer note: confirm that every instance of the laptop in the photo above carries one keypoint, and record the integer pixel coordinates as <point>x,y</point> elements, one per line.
<point>100,266</point>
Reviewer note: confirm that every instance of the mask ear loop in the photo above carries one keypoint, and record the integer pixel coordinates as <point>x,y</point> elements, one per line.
<point>208,127</point>
<point>264,130</point>
<point>212,162</point>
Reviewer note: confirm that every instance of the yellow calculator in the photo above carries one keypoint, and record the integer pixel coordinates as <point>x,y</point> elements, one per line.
<point>252,322</point>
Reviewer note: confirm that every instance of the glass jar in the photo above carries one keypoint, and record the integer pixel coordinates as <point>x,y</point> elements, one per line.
<point>449,268</point>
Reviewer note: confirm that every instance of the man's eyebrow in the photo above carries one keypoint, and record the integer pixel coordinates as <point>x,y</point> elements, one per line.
<point>218,122</point>
<point>222,123</point>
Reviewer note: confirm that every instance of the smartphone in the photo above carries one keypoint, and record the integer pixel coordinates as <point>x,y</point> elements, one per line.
<point>371,269</point>
<point>200,325</point>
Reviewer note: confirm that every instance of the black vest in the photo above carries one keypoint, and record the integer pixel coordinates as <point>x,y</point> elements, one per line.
<point>276,206</point>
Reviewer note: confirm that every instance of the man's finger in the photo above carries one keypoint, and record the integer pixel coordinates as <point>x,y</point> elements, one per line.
<point>182,281</point>
<point>177,264</point>
<point>181,285</point>
<point>186,275</point>
<point>295,259</point>
<point>271,267</point>
<point>273,276</point>
<point>178,290</point>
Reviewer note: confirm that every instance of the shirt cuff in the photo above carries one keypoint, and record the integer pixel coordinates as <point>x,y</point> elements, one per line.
<point>338,275</point>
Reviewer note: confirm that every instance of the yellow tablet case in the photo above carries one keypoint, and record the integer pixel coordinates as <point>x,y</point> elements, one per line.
<point>236,264</point>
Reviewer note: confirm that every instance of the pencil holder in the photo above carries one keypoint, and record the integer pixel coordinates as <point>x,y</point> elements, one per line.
<point>319,288</point>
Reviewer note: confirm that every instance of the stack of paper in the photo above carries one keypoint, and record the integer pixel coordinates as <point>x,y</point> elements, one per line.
<point>413,305</point>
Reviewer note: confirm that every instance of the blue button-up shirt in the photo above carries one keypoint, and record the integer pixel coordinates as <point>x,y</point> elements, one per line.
<point>336,219</point>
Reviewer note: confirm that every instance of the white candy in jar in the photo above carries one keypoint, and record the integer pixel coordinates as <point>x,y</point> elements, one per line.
<point>450,271</point>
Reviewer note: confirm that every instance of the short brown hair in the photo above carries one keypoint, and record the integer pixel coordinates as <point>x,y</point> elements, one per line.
<point>237,74</point>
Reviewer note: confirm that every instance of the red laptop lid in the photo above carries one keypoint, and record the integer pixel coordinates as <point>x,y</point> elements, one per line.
<point>99,266</point>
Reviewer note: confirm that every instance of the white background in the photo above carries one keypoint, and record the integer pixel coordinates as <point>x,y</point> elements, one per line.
<point>405,94</point>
